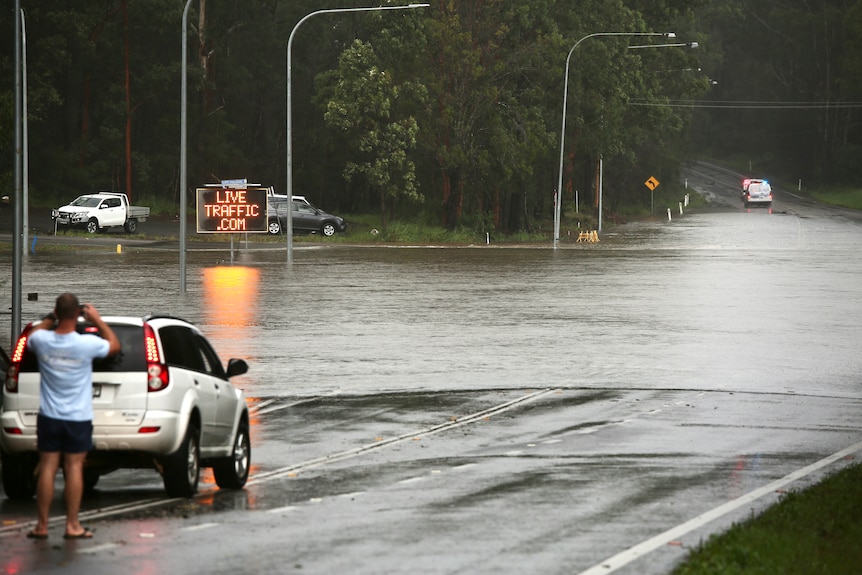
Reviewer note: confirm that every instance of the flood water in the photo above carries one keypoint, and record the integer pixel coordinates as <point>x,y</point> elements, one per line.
<point>737,300</point>
<point>620,341</point>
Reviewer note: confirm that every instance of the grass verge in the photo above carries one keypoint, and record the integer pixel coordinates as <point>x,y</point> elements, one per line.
<point>814,531</point>
<point>845,197</point>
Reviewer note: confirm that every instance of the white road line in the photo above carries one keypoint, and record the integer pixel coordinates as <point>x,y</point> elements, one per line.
<point>409,480</point>
<point>97,548</point>
<point>350,453</point>
<point>261,405</point>
<point>94,514</point>
<point>262,411</point>
<point>200,527</point>
<point>284,509</point>
<point>625,557</point>
<point>9,530</point>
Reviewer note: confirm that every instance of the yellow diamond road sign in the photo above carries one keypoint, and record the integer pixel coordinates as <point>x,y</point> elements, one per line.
<point>652,183</point>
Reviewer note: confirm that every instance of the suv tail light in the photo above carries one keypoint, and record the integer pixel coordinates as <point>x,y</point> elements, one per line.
<point>157,372</point>
<point>15,363</point>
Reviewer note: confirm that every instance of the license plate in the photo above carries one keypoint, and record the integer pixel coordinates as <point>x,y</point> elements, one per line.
<point>97,390</point>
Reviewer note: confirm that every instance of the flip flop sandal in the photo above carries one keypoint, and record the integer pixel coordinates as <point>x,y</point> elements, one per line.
<point>85,534</point>
<point>34,535</point>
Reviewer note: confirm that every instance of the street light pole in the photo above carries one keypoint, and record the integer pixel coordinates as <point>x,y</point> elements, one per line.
<point>17,199</point>
<point>183,137</point>
<point>289,167</point>
<point>559,197</point>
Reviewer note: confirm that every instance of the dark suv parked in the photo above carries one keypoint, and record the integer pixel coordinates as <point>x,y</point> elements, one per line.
<point>306,218</point>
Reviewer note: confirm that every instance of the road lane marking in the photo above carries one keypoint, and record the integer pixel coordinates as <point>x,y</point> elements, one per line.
<point>284,509</point>
<point>625,557</point>
<point>96,514</point>
<point>97,548</point>
<point>446,426</point>
<point>200,527</point>
<point>8,530</point>
<point>409,480</point>
<point>261,405</point>
<point>263,410</point>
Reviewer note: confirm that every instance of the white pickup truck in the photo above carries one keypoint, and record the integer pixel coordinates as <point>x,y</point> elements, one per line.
<point>99,211</point>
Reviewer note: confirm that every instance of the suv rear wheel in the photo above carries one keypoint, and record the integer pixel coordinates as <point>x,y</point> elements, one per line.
<point>19,475</point>
<point>91,478</point>
<point>182,468</point>
<point>232,472</point>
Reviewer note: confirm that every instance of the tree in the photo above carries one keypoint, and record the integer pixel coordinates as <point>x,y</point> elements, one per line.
<point>362,103</point>
<point>488,75</point>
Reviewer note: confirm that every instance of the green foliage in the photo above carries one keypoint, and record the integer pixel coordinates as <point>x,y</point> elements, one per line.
<point>452,112</point>
<point>847,197</point>
<point>780,64</point>
<point>362,105</point>
<point>810,532</point>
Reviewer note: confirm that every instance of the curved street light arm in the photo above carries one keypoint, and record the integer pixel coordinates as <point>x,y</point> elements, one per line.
<point>289,165</point>
<point>559,195</point>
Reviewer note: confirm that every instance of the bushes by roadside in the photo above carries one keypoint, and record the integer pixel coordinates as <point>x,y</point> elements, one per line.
<point>815,531</point>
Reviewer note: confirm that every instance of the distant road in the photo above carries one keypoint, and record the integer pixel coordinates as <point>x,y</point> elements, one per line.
<point>721,187</point>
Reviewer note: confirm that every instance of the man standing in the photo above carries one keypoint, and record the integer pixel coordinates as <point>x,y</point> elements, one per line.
<point>64,426</point>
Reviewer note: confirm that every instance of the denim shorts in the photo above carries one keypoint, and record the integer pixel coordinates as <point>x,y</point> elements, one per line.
<point>63,436</point>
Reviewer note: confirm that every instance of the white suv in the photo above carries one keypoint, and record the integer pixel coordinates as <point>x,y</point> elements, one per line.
<point>757,192</point>
<point>164,402</point>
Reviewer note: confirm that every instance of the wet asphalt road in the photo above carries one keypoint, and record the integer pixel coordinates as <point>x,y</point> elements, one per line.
<point>491,409</point>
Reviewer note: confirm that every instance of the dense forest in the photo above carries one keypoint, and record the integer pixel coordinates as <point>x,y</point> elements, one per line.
<point>451,113</point>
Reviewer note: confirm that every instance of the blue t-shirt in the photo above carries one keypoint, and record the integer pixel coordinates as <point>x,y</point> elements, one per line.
<point>66,367</point>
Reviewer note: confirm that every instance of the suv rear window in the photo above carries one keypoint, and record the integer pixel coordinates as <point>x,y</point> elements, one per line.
<point>130,358</point>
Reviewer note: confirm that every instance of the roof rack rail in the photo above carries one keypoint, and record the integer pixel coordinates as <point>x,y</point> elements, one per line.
<point>163,316</point>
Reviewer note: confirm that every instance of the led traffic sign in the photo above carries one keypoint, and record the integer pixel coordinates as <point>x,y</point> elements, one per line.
<point>231,209</point>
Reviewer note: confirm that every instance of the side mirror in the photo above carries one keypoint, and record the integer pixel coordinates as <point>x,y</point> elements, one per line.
<point>236,367</point>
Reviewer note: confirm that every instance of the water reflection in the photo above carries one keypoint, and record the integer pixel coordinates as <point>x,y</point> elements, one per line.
<point>229,309</point>
<point>716,301</point>
<point>231,296</point>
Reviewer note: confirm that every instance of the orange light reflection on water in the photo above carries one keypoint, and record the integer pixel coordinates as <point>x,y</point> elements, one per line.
<point>231,294</point>
<point>230,305</point>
